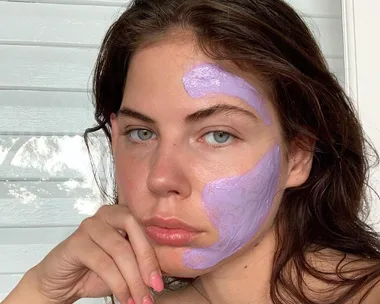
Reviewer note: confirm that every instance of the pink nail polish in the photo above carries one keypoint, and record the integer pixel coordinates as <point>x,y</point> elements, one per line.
<point>156,281</point>
<point>147,300</point>
<point>130,301</point>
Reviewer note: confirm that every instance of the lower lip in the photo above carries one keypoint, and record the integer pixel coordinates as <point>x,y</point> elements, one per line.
<point>170,237</point>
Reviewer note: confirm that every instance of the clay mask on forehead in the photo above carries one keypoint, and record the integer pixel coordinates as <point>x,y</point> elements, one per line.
<point>237,206</point>
<point>208,78</point>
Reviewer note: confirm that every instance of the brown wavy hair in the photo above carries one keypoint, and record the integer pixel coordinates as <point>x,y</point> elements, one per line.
<point>267,38</point>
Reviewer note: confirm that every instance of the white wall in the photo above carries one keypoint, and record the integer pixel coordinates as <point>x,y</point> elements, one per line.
<point>47,51</point>
<point>363,78</point>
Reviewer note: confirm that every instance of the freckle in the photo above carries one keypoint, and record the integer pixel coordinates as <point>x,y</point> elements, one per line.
<point>245,267</point>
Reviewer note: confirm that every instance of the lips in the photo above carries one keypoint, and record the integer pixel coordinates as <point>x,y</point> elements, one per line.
<point>170,232</point>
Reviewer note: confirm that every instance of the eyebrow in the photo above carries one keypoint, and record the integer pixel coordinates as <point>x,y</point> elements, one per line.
<point>216,110</point>
<point>127,112</point>
<point>194,117</point>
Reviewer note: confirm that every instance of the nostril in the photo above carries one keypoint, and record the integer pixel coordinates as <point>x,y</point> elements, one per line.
<point>173,192</point>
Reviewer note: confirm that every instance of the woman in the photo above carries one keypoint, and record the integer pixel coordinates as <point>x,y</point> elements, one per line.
<point>240,167</point>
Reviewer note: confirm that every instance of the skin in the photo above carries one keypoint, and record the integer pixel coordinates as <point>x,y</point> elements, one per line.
<point>236,205</point>
<point>169,171</point>
<point>95,261</point>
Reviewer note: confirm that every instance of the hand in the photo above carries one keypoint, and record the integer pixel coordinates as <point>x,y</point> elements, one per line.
<point>98,260</point>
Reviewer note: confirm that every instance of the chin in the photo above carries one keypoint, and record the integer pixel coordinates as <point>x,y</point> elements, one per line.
<point>171,263</point>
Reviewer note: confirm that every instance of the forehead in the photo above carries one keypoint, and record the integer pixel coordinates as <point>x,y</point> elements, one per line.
<point>161,66</point>
<point>157,73</point>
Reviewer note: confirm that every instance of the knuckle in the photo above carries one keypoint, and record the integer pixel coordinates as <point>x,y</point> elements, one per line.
<point>122,288</point>
<point>86,224</point>
<point>102,209</point>
<point>138,286</point>
<point>121,247</point>
<point>148,256</point>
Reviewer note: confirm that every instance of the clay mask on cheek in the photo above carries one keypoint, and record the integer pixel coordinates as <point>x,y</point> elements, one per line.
<point>236,206</point>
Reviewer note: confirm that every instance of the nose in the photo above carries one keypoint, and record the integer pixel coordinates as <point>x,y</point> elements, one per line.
<point>168,174</point>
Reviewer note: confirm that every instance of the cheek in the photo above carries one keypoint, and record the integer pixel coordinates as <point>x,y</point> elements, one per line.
<point>122,176</point>
<point>128,175</point>
<point>237,207</point>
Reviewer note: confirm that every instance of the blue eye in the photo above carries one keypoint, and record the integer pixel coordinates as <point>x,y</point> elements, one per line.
<point>218,137</point>
<point>141,135</point>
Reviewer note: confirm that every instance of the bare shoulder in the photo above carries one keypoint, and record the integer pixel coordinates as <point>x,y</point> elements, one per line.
<point>374,295</point>
<point>187,295</point>
<point>336,265</point>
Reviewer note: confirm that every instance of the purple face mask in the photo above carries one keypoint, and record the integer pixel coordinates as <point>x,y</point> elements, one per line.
<point>237,206</point>
<point>207,79</point>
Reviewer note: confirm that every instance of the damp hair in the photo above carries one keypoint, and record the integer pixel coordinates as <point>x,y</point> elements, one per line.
<point>268,39</point>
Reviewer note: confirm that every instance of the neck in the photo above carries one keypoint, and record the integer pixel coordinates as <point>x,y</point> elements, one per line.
<point>243,279</point>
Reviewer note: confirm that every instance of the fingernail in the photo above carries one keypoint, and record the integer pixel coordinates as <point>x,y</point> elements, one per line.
<point>130,301</point>
<point>147,300</point>
<point>156,281</point>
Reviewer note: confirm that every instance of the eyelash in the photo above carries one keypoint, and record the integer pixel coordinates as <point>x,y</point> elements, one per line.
<point>128,134</point>
<point>220,145</point>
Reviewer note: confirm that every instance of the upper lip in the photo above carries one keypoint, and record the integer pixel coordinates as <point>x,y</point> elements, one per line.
<point>170,223</point>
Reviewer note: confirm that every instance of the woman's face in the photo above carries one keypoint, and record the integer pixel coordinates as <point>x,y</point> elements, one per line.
<point>198,155</point>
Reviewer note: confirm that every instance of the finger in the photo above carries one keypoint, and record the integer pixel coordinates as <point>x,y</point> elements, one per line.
<point>120,250</point>
<point>145,254</point>
<point>119,217</point>
<point>97,260</point>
